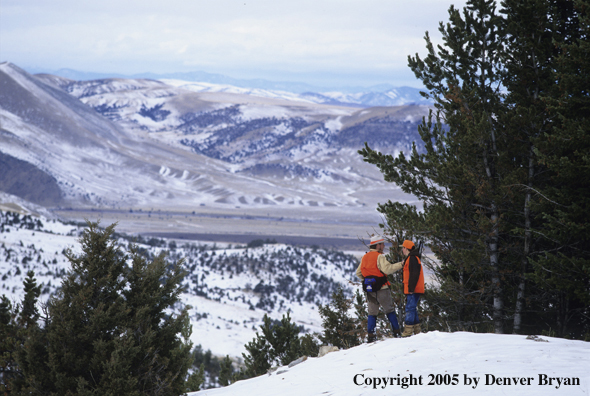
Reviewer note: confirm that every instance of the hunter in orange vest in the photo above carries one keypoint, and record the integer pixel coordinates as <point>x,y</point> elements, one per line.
<point>413,287</point>
<point>373,271</point>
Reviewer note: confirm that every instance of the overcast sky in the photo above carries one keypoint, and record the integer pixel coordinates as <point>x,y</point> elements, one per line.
<point>335,42</point>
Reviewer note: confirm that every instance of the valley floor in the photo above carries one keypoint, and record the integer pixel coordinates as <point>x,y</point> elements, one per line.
<point>235,226</point>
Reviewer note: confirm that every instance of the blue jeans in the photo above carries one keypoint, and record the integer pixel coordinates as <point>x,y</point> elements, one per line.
<point>412,301</point>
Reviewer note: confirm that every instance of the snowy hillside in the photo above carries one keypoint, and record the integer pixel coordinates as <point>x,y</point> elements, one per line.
<point>238,124</point>
<point>433,363</point>
<point>230,289</point>
<point>259,132</point>
<point>115,145</point>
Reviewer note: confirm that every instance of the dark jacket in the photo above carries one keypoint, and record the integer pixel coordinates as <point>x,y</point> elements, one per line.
<point>413,274</point>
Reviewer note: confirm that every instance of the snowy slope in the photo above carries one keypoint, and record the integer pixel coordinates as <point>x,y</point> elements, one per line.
<point>34,243</point>
<point>438,363</point>
<point>229,289</point>
<point>123,144</point>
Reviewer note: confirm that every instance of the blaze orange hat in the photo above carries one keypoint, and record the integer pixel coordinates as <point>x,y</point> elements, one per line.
<point>408,244</point>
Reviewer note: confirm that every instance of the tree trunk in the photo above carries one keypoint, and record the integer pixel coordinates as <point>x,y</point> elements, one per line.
<point>498,306</point>
<point>498,303</point>
<point>526,250</point>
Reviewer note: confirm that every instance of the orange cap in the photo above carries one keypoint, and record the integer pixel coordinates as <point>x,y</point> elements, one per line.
<point>408,244</point>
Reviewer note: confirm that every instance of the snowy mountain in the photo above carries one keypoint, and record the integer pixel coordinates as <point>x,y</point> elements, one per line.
<point>229,288</point>
<point>433,363</point>
<point>118,144</point>
<point>390,97</point>
<point>223,124</point>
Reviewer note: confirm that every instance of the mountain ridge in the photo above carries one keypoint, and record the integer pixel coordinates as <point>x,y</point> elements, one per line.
<point>216,78</point>
<point>145,144</point>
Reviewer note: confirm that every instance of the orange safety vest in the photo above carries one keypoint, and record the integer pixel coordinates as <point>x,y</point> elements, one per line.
<point>420,285</point>
<point>369,265</point>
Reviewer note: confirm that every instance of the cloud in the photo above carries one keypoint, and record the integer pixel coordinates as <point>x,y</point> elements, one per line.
<point>344,36</point>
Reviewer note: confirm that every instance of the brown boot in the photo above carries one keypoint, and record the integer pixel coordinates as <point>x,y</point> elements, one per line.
<point>371,337</point>
<point>417,328</point>
<point>408,331</point>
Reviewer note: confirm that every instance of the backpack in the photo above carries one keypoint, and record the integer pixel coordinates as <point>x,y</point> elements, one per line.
<point>374,283</point>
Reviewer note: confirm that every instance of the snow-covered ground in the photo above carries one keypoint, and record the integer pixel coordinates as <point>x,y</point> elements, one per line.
<point>224,88</point>
<point>242,285</point>
<point>37,244</point>
<point>227,311</point>
<point>433,363</point>
<point>229,289</point>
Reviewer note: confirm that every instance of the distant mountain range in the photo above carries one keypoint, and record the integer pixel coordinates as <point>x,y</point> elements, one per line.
<point>175,145</point>
<point>376,95</point>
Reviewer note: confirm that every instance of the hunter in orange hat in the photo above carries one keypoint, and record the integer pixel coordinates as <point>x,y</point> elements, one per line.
<point>373,271</point>
<point>413,287</point>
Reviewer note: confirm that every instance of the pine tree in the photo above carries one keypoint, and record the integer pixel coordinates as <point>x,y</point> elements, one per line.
<point>110,331</point>
<point>9,371</point>
<point>359,303</point>
<point>283,339</point>
<point>563,269</point>
<point>5,310</point>
<point>339,328</point>
<point>278,344</point>
<point>196,379</point>
<point>155,288</point>
<point>532,27</point>
<point>458,178</point>
<point>29,313</point>
<point>257,360</point>
<point>226,372</point>
<point>86,326</point>
<point>30,345</point>
<point>500,179</point>
<point>309,345</point>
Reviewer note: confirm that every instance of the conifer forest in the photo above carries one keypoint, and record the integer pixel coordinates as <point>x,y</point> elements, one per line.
<point>504,178</point>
